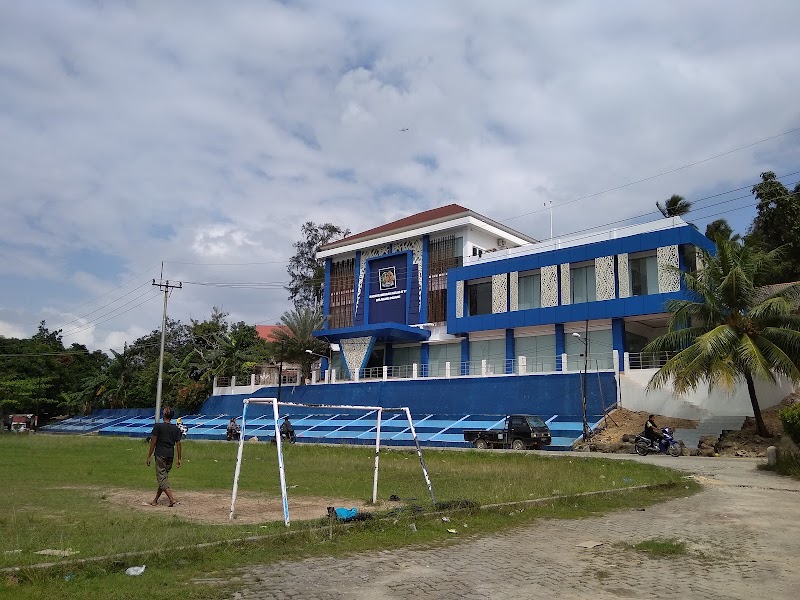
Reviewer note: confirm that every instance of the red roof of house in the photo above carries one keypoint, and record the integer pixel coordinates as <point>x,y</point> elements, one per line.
<point>266,332</point>
<point>433,214</point>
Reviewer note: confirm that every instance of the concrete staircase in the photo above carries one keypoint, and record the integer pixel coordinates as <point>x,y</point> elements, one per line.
<point>714,425</point>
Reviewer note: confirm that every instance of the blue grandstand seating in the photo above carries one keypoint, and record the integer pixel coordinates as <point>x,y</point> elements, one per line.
<point>334,427</point>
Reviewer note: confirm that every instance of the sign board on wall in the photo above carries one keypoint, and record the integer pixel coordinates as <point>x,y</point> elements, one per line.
<point>388,289</point>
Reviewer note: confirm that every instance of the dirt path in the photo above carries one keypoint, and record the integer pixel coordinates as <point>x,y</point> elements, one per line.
<point>742,534</point>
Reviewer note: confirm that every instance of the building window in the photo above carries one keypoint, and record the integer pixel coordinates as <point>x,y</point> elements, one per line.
<point>582,284</point>
<point>479,298</point>
<point>492,351</point>
<point>539,352</point>
<point>439,355</point>
<point>643,274</point>
<point>443,254</point>
<point>342,289</point>
<point>530,291</point>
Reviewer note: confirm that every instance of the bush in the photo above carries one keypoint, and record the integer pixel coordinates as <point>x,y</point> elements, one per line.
<point>790,417</point>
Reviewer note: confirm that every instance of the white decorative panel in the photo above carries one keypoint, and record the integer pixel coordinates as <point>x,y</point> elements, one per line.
<point>459,299</point>
<point>624,277</point>
<point>415,246</point>
<point>669,277</point>
<point>354,350</point>
<point>513,291</point>
<point>566,291</point>
<point>499,293</point>
<point>550,285</point>
<point>365,256</point>
<point>604,278</point>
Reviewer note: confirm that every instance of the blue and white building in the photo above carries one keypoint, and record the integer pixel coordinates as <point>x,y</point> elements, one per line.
<point>449,292</point>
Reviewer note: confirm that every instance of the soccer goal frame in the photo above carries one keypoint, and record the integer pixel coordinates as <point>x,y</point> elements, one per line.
<point>279,444</point>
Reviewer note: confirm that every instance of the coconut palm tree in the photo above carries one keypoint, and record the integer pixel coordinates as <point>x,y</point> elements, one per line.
<point>295,336</point>
<point>675,206</point>
<point>721,228</point>
<point>725,335</point>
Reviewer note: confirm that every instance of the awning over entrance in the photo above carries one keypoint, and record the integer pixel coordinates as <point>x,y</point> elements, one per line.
<point>382,332</point>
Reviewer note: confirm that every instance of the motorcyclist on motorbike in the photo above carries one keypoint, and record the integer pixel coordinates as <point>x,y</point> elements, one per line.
<point>232,432</point>
<point>287,431</point>
<point>653,433</point>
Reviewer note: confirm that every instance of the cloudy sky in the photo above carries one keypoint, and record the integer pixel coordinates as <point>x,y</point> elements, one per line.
<point>203,134</point>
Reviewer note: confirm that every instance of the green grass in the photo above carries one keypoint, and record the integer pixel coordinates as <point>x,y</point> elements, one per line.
<point>658,547</point>
<point>788,464</point>
<point>56,491</point>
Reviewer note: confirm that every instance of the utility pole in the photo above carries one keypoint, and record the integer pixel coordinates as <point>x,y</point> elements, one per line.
<point>166,286</point>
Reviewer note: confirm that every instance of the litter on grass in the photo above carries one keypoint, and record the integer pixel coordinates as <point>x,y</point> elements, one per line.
<point>589,544</point>
<point>134,571</point>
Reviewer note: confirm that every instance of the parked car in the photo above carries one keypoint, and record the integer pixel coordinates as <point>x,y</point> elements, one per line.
<point>519,433</point>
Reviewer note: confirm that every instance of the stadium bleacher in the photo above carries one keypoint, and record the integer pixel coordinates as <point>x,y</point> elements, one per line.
<point>334,427</point>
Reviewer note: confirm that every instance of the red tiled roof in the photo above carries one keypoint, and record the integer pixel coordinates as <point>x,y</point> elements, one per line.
<point>433,214</point>
<point>266,332</point>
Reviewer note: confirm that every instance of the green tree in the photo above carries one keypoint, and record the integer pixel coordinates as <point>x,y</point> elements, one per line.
<point>675,206</point>
<point>295,336</point>
<point>307,273</point>
<point>777,225</point>
<point>721,229</point>
<point>724,335</point>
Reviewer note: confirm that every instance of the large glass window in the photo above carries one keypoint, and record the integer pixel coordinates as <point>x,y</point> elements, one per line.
<point>405,357</point>
<point>601,347</point>
<point>479,298</point>
<point>582,284</point>
<point>539,352</point>
<point>492,351</point>
<point>439,354</point>
<point>530,291</point>
<point>643,273</point>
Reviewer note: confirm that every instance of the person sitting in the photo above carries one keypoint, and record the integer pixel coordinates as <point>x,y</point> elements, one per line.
<point>287,431</point>
<point>652,431</point>
<point>232,432</point>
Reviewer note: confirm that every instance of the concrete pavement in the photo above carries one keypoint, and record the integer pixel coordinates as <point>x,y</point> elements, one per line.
<point>742,533</point>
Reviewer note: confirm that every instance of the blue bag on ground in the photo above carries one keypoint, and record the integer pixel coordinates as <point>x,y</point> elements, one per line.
<point>346,514</point>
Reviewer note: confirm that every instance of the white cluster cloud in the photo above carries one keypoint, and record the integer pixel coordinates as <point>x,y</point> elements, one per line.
<point>203,132</point>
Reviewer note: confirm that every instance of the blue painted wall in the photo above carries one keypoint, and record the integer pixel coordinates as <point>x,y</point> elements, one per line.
<point>550,394</point>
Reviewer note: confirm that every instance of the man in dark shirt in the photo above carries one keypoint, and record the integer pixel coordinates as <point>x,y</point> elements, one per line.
<point>652,431</point>
<point>164,440</point>
<point>287,431</point>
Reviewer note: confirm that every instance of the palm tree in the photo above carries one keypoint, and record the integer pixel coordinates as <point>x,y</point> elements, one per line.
<point>721,229</point>
<point>725,334</point>
<point>676,206</point>
<point>295,336</point>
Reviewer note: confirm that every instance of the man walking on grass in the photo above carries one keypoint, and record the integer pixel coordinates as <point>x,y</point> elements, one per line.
<point>165,438</point>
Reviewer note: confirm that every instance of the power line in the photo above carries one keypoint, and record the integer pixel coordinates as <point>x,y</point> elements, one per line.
<point>112,317</point>
<point>102,307</point>
<point>675,170</point>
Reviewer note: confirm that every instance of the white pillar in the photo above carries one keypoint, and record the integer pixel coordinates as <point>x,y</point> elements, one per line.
<point>522,365</point>
<point>356,374</point>
<point>328,375</point>
<point>484,370</point>
<point>414,371</point>
<point>299,376</point>
<point>214,386</point>
<point>385,372</point>
<point>233,381</point>
<point>564,366</point>
<point>447,369</point>
<point>333,375</point>
<point>313,377</point>
<point>626,360</point>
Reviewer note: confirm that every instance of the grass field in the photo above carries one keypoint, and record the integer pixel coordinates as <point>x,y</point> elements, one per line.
<point>87,494</point>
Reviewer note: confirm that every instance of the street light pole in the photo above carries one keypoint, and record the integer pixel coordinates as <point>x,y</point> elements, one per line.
<point>585,340</point>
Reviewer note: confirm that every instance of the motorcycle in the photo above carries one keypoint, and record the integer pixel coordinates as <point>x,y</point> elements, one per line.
<point>666,445</point>
<point>232,435</point>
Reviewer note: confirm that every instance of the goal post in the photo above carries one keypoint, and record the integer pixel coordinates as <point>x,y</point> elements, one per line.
<point>279,445</point>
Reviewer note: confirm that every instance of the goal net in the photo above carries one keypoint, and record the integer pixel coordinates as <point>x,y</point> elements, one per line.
<point>279,445</point>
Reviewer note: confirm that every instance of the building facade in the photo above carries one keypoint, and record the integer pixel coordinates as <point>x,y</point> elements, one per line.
<point>449,292</point>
